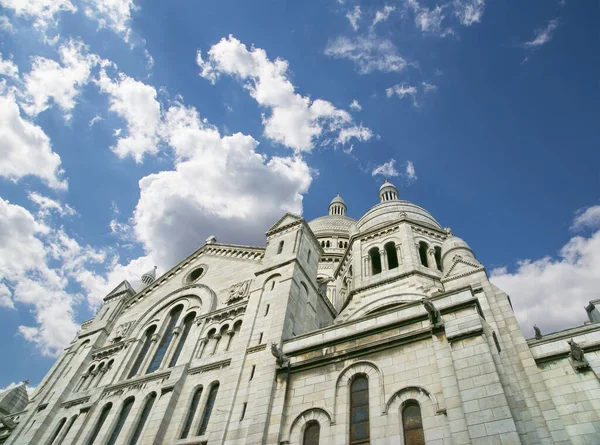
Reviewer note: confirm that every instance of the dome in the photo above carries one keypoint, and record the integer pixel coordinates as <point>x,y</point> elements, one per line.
<point>452,246</point>
<point>149,276</point>
<point>337,206</point>
<point>332,224</point>
<point>338,200</point>
<point>388,192</point>
<point>387,211</point>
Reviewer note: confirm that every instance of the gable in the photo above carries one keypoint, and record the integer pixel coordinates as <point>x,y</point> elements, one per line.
<point>285,220</point>
<point>124,288</point>
<point>460,268</point>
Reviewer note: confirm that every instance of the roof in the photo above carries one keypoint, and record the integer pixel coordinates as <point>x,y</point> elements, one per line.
<point>332,223</point>
<point>14,400</point>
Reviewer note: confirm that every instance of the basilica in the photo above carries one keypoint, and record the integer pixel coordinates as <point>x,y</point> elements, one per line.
<point>383,330</point>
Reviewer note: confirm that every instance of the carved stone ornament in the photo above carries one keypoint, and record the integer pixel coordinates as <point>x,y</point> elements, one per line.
<point>578,359</point>
<point>538,333</point>
<point>435,317</point>
<point>277,352</point>
<point>238,291</point>
<point>121,331</point>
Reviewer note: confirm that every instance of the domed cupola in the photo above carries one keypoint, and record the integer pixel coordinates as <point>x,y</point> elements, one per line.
<point>453,246</point>
<point>388,192</point>
<point>149,276</point>
<point>337,206</point>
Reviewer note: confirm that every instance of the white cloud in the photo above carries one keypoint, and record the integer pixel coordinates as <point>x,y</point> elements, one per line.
<point>355,105</point>
<point>96,118</point>
<point>360,133</point>
<point>369,53</point>
<point>47,206</point>
<point>552,292</point>
<point>426,19</point>
<point>5,24</point>
<point>383,15</point>
<point>428,87</point>
<point>587,218</point>
<point>295,121</point>
<point>8,68</point>
<point>403,90</point>
<point>354,16</point>
<point>25,148</point>
<point>43,12</point>
<point>410,172</point>
<point>469,11</point>
<point>219,184</point>
<point>62,83</point>
<point>542,36</point>
<point>30,389</point>
<point>5,297</point>
<point>387,169</point>
<point>112,14</point>
<point>136,103</point>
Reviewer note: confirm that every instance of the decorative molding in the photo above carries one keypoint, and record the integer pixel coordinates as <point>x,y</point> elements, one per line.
<point>74,402</point>
<point>256,348</point>
<point>238,291</point>
<point>210,367</point>
<point>136,383</point>
<point>222,314</point>
<point>122,331</point>
<point>108,351</point>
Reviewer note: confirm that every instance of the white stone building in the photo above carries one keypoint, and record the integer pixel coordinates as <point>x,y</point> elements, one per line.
<point>384,330</point>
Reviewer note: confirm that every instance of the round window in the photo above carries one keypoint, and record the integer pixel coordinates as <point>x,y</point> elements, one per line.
<point>195,274</point>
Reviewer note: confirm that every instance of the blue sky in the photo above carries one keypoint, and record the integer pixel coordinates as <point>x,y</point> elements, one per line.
<point>131,131</point>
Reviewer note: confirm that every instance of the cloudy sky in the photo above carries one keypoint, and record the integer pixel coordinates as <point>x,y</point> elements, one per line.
<point>130,131</point>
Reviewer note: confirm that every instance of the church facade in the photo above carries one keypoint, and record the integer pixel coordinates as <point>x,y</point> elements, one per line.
<point>380,331</point>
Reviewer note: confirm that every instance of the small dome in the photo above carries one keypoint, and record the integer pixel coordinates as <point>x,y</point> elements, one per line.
<point>337,199</point>
<point>149,276</point>
<point>337,206</point>
<point>452,246</point>
<point>388,192</point>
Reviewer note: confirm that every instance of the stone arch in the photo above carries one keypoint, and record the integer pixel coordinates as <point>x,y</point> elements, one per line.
<point>430,410</point>
<point>320,415</point>
<point>386,301</point>
<point>342,384</point>
<point>272,279</point>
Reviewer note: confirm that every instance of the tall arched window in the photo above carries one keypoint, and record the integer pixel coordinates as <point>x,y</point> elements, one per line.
<point>412,424</point>
<point>99,423</point>
<point>375,260</point>
<point>188,322</point>
<point>67,429</point>
<point>359,410</point>
<point>57,430</point>
<point>142,354</point>
<point>392,255</point>
<point>280,247</point>
<point>139,428</point>
<point>121,420</point>
<point>191,413</point>
<point>438,257</point>
<point>423,252</point>
<point>210,403</point>
<point>311,433</point>
<point>166,339</point>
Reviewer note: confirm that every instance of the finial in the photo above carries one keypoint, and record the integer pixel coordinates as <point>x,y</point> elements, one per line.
<point>26,382</point>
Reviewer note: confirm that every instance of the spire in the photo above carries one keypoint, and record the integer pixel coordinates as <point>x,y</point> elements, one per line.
<point>388,192</point>
<point>149,276</point>
<point>337,206</point>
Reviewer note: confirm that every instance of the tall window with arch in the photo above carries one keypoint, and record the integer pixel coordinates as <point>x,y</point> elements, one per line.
<point>438,257</point>
<point>189,419</point>
<point>99,424</point>
<point>139,427</point>
<point>125,410</point>
<point>423,247</point>
<point>188,322</point>
<point>143,352</point>
<point>280,247</point>
<point>210,403</point>
<point>359,410</point>
<point>312,431</point>
<point>67,428</point>
<point>392,255</point>
<point>375,261</point>
<point>412,424</point>
<point>166,339</point>
<point>57,431</point>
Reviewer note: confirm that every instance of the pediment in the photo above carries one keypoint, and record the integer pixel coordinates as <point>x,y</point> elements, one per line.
<point>285,220</point>
<point>124,288</point>
<point>461,267</point>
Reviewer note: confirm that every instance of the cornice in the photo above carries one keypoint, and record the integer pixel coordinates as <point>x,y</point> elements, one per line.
<point>567,334</point>
<point>209,367</point>
<point>135,382</point>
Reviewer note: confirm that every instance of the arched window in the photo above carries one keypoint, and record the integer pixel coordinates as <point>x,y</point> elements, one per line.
<point>165,341</point>
<point>359,410</point>
<point>99,423</point>
<point>142,355</point>
<point>139,428</point>
<point>392,255</point>
<point>423,253</point>
<point>375,260</point>
<point>345,244</point>
<point>121,420</point>
<point>341,244</point>
<point>99,373</point>
<point>57,430</point>
<point>328,243</point>
<point>188,322</point>
<point>191,413</point>
<point>210,403</point>
<point>412,424</point>
<point>280,248</point>
<point>67,429</point>
<point>438,257</point>
<point>311,433</point>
